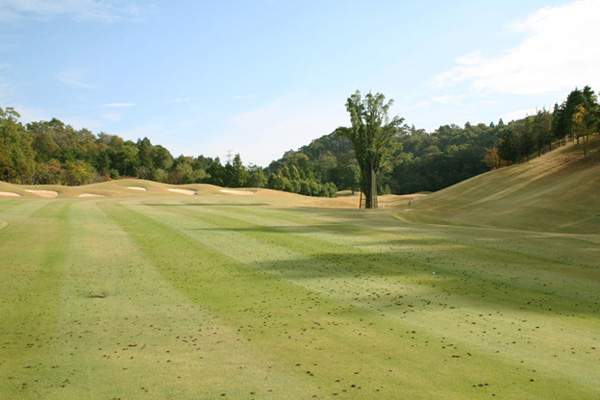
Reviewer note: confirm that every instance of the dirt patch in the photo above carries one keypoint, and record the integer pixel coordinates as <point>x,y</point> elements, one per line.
<point>137,188</point>
<point>183,191</point>
<point>10,194</point>
<point>240,192</point>
<point>43,193</point>
<point>91,195</point>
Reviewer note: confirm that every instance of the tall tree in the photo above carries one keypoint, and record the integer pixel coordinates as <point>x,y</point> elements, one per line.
<point>583,124</point>
<point>542,126</point>
<point>509,147</point>
<point>240,175</point>
<point>372,135</point>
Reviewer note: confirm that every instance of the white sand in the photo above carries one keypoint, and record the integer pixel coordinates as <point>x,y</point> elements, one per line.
<point>11,194</point>
<point>184,191</point>
<point>242,192</point>
<point>43,193</point>
<point>91,195</point>
<point>136,188</point>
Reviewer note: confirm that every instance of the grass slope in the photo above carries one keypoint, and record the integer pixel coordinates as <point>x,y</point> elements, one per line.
<point>558,191</point>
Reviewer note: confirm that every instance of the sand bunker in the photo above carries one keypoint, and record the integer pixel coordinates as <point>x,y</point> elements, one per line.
<point>242,192</point>
<point>43,193</point>
<point>10,194</point>
<point>184,191</point>
<point>136,188</point>
<point>91,195</point>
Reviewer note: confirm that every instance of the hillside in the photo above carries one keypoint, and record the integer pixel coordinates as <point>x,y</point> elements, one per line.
<point>558,191</point>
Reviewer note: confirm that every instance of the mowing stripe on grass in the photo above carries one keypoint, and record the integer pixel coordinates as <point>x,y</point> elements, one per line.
<point>288,321</point>
<point>33,253</point>
<point>202,301</point>
<point>414,263</point>
<point>243,242</point>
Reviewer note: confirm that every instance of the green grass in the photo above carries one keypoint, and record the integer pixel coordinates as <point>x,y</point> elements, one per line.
<point>161,295</point>
<point>222,296</point>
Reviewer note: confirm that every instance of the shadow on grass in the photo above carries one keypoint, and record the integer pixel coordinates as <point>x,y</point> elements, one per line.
<point>357,273</point>
<point>286,229</point>
<point>391,280</point>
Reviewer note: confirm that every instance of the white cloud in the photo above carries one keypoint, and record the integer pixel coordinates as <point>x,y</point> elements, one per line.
<point>557,54</point>
<point>519,114</point>
<point>85,10</point>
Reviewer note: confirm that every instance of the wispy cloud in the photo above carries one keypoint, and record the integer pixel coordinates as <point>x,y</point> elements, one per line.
<point>555,55</point>
<point>75,77</point>
<point>84,10</point>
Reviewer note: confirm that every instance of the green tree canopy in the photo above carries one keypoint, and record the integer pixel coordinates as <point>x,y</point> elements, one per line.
<point>372,133</point>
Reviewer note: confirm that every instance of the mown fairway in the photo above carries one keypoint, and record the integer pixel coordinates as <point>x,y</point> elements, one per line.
<point>204,297</point>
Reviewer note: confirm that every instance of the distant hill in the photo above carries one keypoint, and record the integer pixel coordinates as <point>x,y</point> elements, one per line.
<point>559,191</point>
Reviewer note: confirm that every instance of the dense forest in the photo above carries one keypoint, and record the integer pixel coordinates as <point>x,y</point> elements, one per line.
<point>52,152</point>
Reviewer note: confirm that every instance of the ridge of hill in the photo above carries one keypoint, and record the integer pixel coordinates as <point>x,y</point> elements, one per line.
<point>556,192</point>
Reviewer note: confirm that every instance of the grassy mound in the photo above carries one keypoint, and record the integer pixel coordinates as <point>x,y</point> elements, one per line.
<point>558,192</point>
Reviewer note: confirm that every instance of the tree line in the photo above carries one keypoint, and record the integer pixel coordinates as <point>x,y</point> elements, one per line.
<point>52,152</point>
<point>421,161</point>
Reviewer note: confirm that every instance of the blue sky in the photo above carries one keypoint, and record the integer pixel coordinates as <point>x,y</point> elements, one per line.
<point>260,77</point>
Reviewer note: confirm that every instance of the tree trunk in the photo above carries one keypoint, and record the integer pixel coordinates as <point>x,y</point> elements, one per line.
<point>369,188</point>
